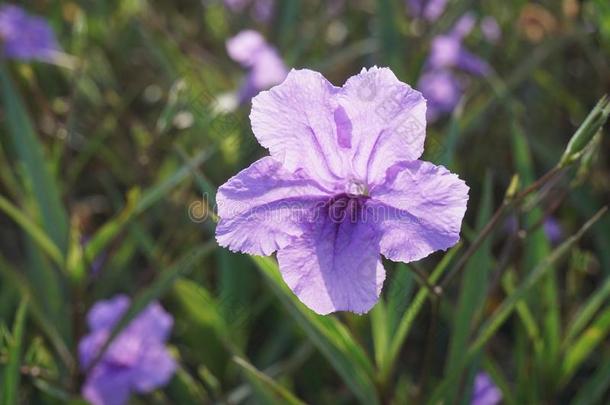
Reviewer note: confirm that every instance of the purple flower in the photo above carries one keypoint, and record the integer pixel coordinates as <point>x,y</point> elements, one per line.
<point>25,37</point>
<point>552,229</point>
<point>442,91</point>
<point>342,185</point>
<point>265,67</point>
<point>439,83</point>
<point>448,51</point>
<point>490,29</point>
<point>485,391</point>
<point>136,361</point>
<point>430,10</point>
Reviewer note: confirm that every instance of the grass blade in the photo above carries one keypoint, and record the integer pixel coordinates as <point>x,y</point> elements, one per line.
<point>586,313</point>
<point>135,205</point>
<point>473,288</point>
<point>590,338</point>
<point>38,235</point>
<point>262,382</point>
<point>592,391</point>
<point>537,248</point>
<point>29,150</point>
<point>491,326</point>
<point>12,372</point>
<point>21,284</point>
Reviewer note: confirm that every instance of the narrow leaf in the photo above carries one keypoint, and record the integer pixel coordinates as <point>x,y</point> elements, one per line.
<point>12,372</point>
<point>265,383</point>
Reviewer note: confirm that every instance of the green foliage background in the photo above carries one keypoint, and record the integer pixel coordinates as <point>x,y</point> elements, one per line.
<point>123,147</point>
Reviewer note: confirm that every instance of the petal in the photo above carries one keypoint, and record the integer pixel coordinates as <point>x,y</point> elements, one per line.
<point>388,122</point>
<point>243,47</point>
<point>154,323</point>
<point>263,207</point>
<point>419,210</point>
<point>268,69</point>
<point>442,90</point>
<point>155,369</point>
<point>470,62</point>
<point>107,386</point>
<point>104,314</point>
<point>89,347</point>
<point>464,25</point>
<point>295,121</point>
<point>334,267</point>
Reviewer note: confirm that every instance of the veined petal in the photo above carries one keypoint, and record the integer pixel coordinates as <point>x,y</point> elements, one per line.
<point>264,206</point>
<point>388,122</point>
<point>334,267</point>
<point>419,210</point>
<point>295,121</point>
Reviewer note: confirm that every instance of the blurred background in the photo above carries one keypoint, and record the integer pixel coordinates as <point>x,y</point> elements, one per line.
<point>112,147</point>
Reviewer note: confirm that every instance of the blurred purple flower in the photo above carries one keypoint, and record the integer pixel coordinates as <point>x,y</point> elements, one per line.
<point>438,83</point>
<point>442,91</point>
<point>430,10</point>
<point>448,51</point>
<point>464,25</point>
<point>343,185</point>
<point>25,37</point>
<point>485,391</point>
<point>552,229</point>
<point>136,361</point>
<point>265,67</point>
<point>490,29</point>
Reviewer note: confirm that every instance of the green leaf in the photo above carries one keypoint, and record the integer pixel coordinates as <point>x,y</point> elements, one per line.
<point>590,338</point>
<point>587,130</point>
<point>206,323</point>
<point>12,372</point>
<point>491,326</point>
<point>586,312</point>
<point>22,284</point>
<point>537,247</point>
<point>594,388</point>
<point>45,199</point>
<point>399,294</point>
<point>262,382</point>
<point>183,389</point>
<point>529,322</point>
<point>389,36</point>
<point>473,289</point>
<point>380,330</point>
<point>136,205</point>
<point>29,150</point>
<point>37,234</point>
<point>328,334</point>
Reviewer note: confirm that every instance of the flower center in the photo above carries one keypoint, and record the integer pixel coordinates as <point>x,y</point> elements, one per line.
<point>356,188</point>
<point>348,205</point>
